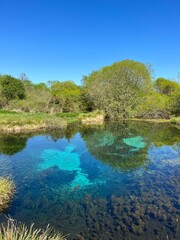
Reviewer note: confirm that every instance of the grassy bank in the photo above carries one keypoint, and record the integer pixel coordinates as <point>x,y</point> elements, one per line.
<point>12,121</point>
<point>7,190</point>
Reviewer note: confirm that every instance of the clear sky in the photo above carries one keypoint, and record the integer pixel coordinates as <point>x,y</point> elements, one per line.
<point>66,39</point>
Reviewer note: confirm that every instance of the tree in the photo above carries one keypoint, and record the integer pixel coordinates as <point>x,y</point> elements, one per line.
<point>65,96</point>
<point>170,89</point>
<point>119,88</point>
<point>154,105</point>
<point>175,102</point>
<point>165,86</point>
<point>37,98</point>
<point>12,88</point>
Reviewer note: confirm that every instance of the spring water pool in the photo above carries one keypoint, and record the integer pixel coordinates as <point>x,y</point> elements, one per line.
<point>117,181</point>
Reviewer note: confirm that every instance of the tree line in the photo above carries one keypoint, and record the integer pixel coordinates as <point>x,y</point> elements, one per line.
<point>124,89</point>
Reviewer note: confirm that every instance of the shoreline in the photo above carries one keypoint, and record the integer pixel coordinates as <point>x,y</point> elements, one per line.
<point>24,122</point>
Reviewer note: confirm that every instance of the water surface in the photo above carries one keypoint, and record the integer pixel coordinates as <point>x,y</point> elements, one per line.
<point>116,181</point>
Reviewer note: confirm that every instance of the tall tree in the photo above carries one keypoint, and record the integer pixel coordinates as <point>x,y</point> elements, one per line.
<point>119,88</point>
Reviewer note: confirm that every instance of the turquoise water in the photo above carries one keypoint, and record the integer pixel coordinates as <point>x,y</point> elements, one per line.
<point>117,181</point>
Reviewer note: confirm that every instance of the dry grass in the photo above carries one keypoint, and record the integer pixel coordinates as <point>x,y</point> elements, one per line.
<point>92,118</point>
<point>7,189</point>
<point>13,231</point>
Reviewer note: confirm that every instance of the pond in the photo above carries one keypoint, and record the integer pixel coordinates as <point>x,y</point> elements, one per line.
<point>116,181</point>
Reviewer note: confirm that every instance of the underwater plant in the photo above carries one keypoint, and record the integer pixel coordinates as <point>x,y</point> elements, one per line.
<point>13,231</point>
<point>7,189</point>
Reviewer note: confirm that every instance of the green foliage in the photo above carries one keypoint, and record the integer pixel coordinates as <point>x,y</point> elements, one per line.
<point>176,120</point>
<point>175,102</point>
<point>119,88</point>
<point>65,97</point>
<point>154,106</point>
<point>165,86</point>
<point>171,89</point>
<point>37,98</point>
<point>11,88</point>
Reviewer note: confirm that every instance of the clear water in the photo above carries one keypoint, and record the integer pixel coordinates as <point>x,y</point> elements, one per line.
<point>117,181</point>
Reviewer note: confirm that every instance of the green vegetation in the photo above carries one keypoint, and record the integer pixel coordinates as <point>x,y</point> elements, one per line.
<point>175,120</point>
<point>65,97</point>
<point>171,91</point>
<point>11,88</point>
<point>7,189</point>
<point>29,121</point>
<point>118,89</point>
<point>12,231</point>
<point>126,90</point>
<point>13,121</point>
<point>122,90</point>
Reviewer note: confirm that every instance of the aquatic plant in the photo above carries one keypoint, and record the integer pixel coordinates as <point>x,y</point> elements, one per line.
<point>13,231</point>
<point>7,189</point>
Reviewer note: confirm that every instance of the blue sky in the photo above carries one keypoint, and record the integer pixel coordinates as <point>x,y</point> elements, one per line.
<point>66,39</point>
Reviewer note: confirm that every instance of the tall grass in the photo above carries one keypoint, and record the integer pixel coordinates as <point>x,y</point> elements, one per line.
<point>13,231</point>
<point>7,189</point>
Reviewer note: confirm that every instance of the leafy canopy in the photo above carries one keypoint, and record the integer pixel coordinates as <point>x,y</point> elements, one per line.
<point>12,88</point>
<point>118,89</point>
<point>165,86</point>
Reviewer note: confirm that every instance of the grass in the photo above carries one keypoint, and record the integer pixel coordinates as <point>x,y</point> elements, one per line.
<point>96,117</point>
<point>29,121</point>
<point>13,121</point>
<point>7,189</point>
<point>13,231</point>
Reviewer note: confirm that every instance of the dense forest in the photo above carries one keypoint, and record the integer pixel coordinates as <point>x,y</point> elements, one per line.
<point>125,89</point>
